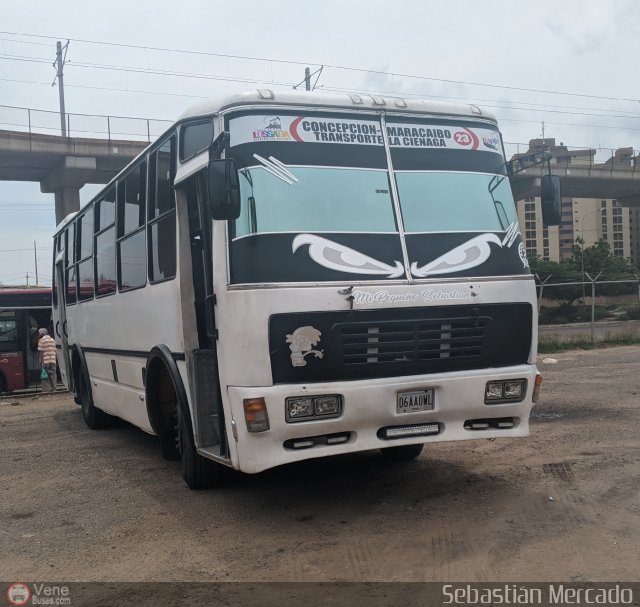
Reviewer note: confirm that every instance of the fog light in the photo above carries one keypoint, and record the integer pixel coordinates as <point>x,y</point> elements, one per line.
<point>327,405</point>
<point>299,407</point>
<point>391,432</point>
<point>337,439</point>
<point>255,414</point>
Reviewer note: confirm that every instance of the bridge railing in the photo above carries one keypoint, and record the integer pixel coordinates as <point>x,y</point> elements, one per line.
<point>100,126</point>
<point>93,126</point>
<point>565,157</point>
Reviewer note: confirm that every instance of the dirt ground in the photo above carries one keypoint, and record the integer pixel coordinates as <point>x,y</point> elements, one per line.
<point>562,505</point>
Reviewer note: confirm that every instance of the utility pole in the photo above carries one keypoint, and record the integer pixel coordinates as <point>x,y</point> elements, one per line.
<point>58,65</point>
<point>307,79</point>
<point>35,257</point>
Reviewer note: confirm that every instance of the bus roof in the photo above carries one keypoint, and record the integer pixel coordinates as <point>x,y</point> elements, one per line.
<point>351,101</point>
<point>25,297</point>
<point>339,101</point>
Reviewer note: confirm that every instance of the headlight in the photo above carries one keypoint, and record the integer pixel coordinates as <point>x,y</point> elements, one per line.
<point>509,391</point>
<point>301,409</point>
<point>513,389</point>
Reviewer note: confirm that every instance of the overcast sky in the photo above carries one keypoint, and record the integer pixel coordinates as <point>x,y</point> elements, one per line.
<point>510,57</point>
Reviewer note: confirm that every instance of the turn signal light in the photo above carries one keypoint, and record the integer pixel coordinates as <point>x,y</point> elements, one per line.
<point>255,414</point>
<point>536,388</point>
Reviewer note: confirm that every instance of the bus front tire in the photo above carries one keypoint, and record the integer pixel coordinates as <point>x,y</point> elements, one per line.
<point>197,471</point>
<point>93,417</point>
<point>402,453</point>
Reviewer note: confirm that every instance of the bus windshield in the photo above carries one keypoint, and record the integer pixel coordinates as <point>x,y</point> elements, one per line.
<point>434,201</point>
<point>316,199</point>
<point>325,180</point>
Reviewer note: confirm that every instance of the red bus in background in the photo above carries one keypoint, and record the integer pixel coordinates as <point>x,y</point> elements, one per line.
<point>22,312</point>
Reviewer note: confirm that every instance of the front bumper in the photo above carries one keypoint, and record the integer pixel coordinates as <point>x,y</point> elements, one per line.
<point>369,405</point>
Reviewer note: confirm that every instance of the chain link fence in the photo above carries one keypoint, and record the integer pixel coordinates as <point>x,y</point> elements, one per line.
<point>81,125</point>
<point>594,309</point>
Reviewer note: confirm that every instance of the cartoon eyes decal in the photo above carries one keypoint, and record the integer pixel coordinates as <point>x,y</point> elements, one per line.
<point>467,255</point>
<point>343,259</point>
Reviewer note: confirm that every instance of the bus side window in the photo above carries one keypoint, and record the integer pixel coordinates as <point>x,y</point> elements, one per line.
<point>132,254</point>
<point>70,267</point>
<point>105,244</point>
<point>195,138</point>
<point>85,254</point>
<point>162,213</point>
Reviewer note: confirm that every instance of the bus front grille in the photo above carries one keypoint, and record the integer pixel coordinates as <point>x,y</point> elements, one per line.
<point>419,340</point>
<point>396,342</point>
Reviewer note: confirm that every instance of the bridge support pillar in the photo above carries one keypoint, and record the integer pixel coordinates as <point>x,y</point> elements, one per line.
<point>65,181</point>
<point>67,201</point>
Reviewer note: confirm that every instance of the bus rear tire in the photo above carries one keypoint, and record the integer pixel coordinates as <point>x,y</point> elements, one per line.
<point>402,453</point>
<point>197,471</point>
<point>93,417</point>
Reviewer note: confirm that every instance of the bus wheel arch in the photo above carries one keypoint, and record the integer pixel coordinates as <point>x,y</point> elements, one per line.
<point>78,367</point>
<point>4,384</point>
<point>170,418</point>
<point>163,388</point>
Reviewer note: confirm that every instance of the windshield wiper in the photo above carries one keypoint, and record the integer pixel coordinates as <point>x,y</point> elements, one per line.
<point>277,169</point>
<point>253,218</point>
<point>496,180</point>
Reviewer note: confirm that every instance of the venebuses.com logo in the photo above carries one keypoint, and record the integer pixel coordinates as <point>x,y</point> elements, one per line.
<point>18,594</point>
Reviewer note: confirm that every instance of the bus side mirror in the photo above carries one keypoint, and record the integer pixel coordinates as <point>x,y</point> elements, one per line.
<point>551,200</point>
<point>224,189</point>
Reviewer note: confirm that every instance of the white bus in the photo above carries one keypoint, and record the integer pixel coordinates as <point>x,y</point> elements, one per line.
<point>285,276</point>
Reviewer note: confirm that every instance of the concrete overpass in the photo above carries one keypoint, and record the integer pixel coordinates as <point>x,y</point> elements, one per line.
<point>580,176</point>
<point>622,184</point>
<point>62,165</point>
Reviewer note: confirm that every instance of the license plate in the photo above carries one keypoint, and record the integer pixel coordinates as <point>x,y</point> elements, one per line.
<point>418,400</point>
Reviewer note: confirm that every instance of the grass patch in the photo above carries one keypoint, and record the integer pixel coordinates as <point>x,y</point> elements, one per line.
<point>554,344</point>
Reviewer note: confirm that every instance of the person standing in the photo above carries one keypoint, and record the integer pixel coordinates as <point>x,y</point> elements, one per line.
<point>47,353</point>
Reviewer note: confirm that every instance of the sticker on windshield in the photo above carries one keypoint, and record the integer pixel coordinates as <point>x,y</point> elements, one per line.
<point>469,254</point>
<point>319,129</point>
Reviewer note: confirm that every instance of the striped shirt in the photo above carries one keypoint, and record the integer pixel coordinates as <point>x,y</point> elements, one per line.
<point>47,346</point>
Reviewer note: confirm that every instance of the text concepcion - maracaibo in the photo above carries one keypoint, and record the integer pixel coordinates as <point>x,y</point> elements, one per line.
<point>554,594</point>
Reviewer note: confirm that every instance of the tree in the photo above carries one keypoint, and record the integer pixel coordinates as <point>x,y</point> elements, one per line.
<point>596,260</point>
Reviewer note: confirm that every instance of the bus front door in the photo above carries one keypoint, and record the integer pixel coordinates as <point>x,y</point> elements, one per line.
<point>60,328</point>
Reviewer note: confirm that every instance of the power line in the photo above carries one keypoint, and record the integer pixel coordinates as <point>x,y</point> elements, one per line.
<point>26,42</point>
<point>619,114</point>
<point>29,249</point>
<point>338,67</point>
<point>484,102</point>
<point>24,59</point>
